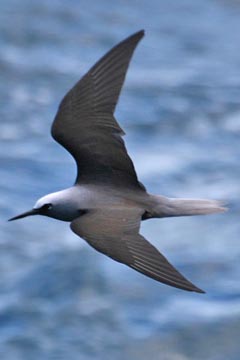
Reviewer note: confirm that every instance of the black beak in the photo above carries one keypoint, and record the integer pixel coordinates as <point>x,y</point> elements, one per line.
<point>27,213</point>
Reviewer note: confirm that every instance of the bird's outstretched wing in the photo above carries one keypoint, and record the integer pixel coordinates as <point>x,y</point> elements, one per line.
<point>114,232</point>
<point>85,124</point>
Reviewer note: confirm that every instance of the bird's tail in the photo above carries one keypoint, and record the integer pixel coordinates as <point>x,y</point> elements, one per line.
<point>167,207</point>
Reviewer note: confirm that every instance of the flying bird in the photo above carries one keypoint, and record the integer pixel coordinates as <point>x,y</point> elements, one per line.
<point>107,203</point>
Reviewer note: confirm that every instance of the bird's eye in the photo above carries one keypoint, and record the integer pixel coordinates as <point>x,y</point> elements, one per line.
<point>46,207</point>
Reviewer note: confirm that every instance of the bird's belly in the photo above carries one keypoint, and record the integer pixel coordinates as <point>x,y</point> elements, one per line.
<point>78,200</point>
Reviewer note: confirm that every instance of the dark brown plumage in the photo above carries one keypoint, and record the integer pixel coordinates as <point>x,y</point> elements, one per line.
<point>95,139</point>
<point>107,202</point>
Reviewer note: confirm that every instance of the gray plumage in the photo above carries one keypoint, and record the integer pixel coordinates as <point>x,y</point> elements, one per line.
<point>107,202</point>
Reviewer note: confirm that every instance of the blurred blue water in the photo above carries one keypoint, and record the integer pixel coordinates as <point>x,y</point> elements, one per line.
<point>180,108</point>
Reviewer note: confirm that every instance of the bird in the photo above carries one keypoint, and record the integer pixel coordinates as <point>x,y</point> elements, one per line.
<point>107,202</point>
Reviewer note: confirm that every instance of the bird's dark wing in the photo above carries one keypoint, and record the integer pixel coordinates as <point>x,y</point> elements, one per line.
<point>85,124</point>
<point>114,232</point>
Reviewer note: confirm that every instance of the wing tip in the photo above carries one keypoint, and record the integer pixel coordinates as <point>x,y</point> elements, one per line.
<point>135,37</point>
<point>139,34</point>
<point>198,290</point>
<point>188,287</point>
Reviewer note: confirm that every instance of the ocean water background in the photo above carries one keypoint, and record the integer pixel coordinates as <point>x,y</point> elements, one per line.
<point>180,108</point>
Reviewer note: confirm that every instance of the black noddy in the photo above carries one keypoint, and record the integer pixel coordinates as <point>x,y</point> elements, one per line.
<point>107,202</point>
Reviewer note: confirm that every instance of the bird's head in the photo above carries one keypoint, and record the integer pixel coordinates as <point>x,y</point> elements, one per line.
<point>42,207</point>
<point>59,205</point>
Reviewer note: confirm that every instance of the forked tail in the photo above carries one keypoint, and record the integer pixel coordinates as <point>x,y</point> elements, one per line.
<point>167,207</point>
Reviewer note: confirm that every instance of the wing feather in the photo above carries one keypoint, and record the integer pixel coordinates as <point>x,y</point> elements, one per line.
<point>85,124</point>
<point>114,232</point>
